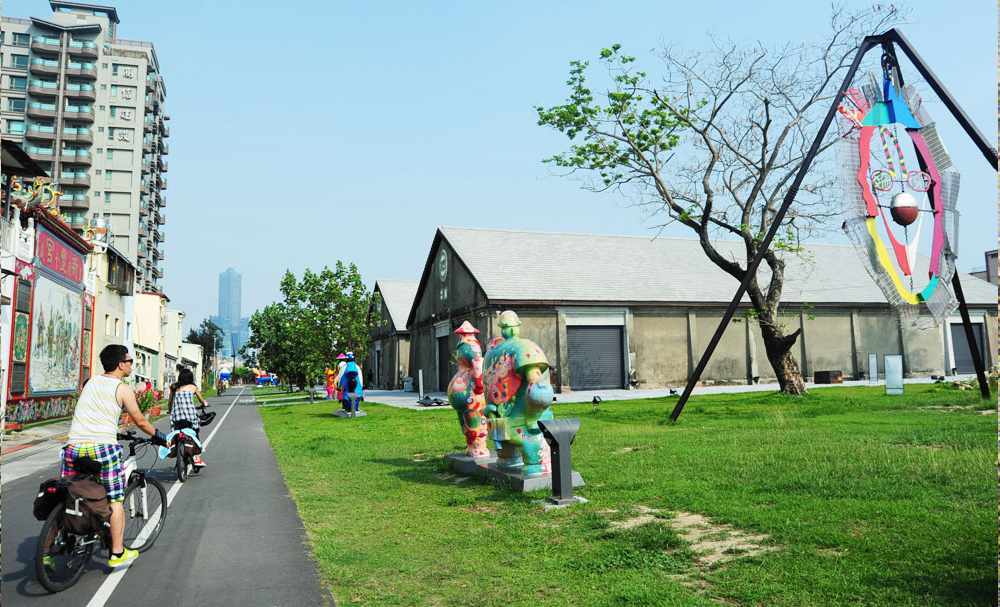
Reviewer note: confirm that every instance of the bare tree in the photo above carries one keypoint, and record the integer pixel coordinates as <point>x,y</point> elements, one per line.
<point>715,146</point>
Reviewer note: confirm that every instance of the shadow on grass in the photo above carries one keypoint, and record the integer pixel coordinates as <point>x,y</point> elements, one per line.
<point>435,472</point>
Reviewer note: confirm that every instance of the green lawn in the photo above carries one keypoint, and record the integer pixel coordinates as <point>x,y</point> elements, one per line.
<point>846,496</point>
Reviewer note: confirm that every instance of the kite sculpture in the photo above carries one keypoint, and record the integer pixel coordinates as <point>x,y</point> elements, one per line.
<point>518,394</point>
<point>465,391</point>
<point>901,189</point>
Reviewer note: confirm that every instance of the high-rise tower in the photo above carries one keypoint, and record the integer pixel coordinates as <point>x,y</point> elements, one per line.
<point>89,108</point>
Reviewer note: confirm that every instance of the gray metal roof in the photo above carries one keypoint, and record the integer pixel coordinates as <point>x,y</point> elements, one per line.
<point>398,296</point>
<point>555,267</point>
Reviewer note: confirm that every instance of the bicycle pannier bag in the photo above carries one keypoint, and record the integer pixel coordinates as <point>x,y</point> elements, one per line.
<point>87,506</point>
<point>51,493</point>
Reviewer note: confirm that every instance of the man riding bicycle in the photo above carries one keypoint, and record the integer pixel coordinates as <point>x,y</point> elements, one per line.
<point>93,434</point>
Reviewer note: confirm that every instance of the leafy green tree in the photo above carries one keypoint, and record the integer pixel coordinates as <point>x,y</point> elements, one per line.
<point>210,337</point>
<point>323,315</point>
<point>713,144</point>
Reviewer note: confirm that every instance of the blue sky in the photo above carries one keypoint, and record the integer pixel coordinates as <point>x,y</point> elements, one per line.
<point>307,132</point>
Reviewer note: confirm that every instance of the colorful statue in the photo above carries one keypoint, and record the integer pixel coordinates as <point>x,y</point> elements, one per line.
<point>465,391</point>
<point>350,382</point>
<point>331,384</point>
<point>518,394</point>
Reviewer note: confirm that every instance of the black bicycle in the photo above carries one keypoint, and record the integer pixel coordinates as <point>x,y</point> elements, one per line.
<point>184,448</point>
<point>61,556</point>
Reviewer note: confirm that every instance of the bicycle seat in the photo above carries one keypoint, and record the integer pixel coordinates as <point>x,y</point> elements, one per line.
<point>87,465</point>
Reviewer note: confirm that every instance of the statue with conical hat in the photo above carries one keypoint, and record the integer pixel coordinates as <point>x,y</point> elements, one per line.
<point>518,394</point>
<point>465,391</point>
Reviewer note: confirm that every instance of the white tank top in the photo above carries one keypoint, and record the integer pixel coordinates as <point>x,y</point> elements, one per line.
<point>96,417</point>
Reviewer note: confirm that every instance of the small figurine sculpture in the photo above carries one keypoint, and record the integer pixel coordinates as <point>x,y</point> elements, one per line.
<point>518,394</point>
<point>465,391</point>
<point>350,383</point>
<point>331,384</point>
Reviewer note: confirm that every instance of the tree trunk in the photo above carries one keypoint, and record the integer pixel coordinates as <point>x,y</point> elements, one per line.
<point>779,354</point>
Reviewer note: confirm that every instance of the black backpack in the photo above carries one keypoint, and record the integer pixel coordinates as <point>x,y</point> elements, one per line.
<point>51,493</point>
<point>87,508</point>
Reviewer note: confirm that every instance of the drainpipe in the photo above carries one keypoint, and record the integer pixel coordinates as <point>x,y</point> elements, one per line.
<point>60,101</point>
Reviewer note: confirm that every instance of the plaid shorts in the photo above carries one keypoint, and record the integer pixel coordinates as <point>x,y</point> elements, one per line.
<point>112,465</point>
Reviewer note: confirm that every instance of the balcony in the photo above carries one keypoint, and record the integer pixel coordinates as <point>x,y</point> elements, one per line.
<point>83,70</point>
<point>144,186</point>
<point>83,49</point>
<point>84,113</point>
<point>145,168</point>
<point>164,148</point>
<point>41,110</point>
<point>39,132</point>
<point>77,221</point>
<point>74,178</point>
<point>163,183</point>
<point>41,44</point>
<point>158,218</point>
<point>147,145</point>
<point>39,154</point>
<point>44,67</point>
<point>148,126</point>
<point>83,92</point>
<point>150,83</point>
<point>149,105</point>
<point>157,273</point>
<point>74,202</point>
<point>143,208</point>
<point>157,254</point>
<point>158,234</point>
<point>43,88</point>
<point>142,229</point>
<point>142,251</point>
<point>162,199</point>
<point>76,157</point>
<point>164,166</point>
<point>78,134</point>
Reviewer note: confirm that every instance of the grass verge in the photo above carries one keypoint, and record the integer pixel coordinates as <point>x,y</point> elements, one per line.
<point>850,496</point>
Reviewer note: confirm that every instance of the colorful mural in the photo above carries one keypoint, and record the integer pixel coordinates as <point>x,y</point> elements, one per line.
<point>55,344</point>
<point>20,339</point>
<point>32,410</point>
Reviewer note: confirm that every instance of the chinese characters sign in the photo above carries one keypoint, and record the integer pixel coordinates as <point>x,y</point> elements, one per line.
<point>59,258</point>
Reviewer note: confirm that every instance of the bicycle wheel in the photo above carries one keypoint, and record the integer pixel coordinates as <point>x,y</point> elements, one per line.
<point>145,511</point>
<point>179,463</point>
<point>69,556</point>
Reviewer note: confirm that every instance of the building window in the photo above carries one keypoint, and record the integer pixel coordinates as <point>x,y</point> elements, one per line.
<point>111,154</point>
<point>114,87</point>
<point>117,327</point>
<point>100,129</point>
<point>17,83</point>
<point>20,39</point>
<point>19,61</point>
<point>98,172</point>
<point>107,324</point>
<point>107,198</point>
<point>107,177</point>
<point>15,104</point>
<point>104,87</point>
<point>15,127</point>
<point>104,65</point>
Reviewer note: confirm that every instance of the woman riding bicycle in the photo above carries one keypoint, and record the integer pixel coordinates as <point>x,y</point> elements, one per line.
<point>183,413</point>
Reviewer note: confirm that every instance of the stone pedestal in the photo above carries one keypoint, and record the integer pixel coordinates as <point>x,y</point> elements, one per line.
<point>509,476</point>
<point>465,465</point>
<point>342,413</point>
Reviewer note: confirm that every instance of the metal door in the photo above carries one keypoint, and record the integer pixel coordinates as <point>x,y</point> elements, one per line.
<point>596,357</point>
<point>960,347</point>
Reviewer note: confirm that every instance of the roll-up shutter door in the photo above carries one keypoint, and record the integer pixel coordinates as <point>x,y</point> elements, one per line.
<point>960,346</point>
<point>596,357</point>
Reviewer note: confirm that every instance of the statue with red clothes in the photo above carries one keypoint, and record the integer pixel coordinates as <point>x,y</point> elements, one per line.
<point>465,391</point>
<point>518,394</point>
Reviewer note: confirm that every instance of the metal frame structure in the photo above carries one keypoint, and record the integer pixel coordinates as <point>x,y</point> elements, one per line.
<point>886,41</point>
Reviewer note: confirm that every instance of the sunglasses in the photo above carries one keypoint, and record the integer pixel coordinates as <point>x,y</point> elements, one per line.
<point>128,360</point>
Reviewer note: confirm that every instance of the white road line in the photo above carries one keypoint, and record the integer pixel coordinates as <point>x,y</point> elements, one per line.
<point>104,592</point>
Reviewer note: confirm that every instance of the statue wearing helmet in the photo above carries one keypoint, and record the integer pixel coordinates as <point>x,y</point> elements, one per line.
<point>518,394</point>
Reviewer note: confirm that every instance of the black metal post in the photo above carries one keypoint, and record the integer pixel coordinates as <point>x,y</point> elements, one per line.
<point>977,359</point>
<point>559,434</point>
<point>793,189</point>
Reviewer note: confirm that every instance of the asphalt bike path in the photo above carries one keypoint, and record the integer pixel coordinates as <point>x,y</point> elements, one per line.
<point>232,535</point>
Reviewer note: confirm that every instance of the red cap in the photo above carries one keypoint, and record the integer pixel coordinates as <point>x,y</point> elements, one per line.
<point>466,328</point>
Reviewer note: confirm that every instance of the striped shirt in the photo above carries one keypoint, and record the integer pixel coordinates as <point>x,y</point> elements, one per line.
<point>97,412</point>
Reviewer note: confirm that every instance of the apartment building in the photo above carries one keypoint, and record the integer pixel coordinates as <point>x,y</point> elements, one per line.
<point>89,108</point>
